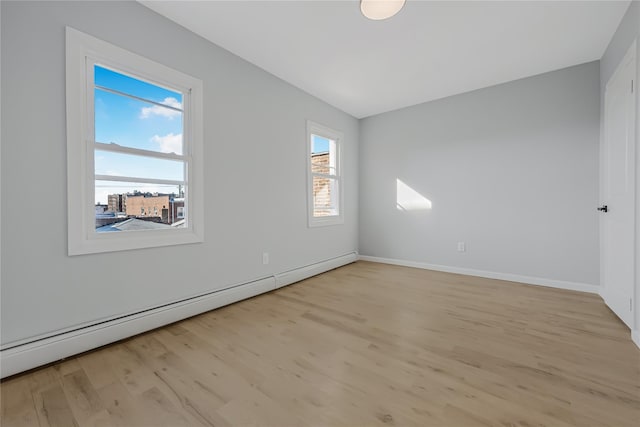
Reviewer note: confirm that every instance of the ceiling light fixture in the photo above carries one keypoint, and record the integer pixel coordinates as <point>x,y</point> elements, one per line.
<point>380,9</point>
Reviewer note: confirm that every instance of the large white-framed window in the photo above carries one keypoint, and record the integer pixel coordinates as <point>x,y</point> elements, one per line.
<point>134,144</point>
<point>324,175</point>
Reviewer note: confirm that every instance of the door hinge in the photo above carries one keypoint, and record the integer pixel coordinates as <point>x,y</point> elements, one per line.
<point>630,304</point>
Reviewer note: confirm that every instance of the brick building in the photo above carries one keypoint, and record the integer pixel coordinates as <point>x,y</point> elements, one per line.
<point>167,208</point>
<point>117,203</point>
<point>321,186</point>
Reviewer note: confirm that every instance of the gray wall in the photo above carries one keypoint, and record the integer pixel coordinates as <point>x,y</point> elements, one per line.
<point>626,33</point>
<point>255,154</point>
<point>512,170</point>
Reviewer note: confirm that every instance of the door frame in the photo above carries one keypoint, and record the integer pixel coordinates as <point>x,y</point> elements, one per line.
<point>635,331</point>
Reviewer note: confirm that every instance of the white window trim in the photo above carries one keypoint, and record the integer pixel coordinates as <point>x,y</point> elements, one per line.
<point>314,128</point>
<point>82,238</point>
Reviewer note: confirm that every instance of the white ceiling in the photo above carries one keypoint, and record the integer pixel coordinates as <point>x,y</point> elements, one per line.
<point>429,50</point>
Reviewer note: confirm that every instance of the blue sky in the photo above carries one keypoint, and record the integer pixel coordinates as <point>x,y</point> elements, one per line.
<point>130,122</point>
<point>136,124</point>
<point>320,144</point>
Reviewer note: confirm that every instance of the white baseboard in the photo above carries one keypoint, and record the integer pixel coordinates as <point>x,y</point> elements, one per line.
<point>292,276</point>
<point>32,354</point>
<point>561,284</point>
<point>635,333</point>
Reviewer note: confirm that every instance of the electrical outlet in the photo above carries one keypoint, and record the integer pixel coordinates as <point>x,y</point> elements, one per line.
<point>462,247</point>
<point>265,258</point>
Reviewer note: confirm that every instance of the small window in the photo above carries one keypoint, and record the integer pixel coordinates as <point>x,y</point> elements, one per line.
<point>324,175</point>
<point>134,131</point>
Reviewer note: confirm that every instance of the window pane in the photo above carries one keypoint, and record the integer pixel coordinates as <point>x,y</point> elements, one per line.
<point>320,163</point>
<point>325,193</point>
<point>129,206</point>
<point>323,155</point>
<point>132,123</point>
<point>132,86</point>
<point>118,164</point>
<point>319,144</point>
<point>319,168</point>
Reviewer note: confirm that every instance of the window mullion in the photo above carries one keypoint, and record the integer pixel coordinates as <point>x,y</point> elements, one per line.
<point>116,148</point>
<point>324,175</point>
<point>127,95</point>
<point>119,178</point>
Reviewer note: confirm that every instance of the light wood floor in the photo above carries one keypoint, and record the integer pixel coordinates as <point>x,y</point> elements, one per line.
<point>367,344</point>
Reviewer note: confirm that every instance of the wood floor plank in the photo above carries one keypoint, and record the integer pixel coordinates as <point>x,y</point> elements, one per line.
<point>364,345</point>
<point>120,406</point>
<point>163,411</point>
<point>81,396</point>
<point>16,402</point>
<point>97,368</point>
<point>56,409</point>
<point>40,381</point>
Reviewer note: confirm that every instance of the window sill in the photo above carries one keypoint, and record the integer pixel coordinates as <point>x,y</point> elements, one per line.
<point>116,241</point>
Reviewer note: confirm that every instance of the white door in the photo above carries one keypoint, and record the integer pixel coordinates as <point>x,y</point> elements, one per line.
<point>617,220</point>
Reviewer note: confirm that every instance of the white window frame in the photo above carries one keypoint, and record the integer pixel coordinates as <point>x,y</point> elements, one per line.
<point>82,51</point>
<point>314,128</point>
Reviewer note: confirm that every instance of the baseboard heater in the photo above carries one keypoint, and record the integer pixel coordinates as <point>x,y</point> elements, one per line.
<point>295,275</point>
<point>58,346</point>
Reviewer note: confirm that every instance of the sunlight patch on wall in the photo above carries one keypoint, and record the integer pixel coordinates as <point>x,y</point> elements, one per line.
<point>408,199</point>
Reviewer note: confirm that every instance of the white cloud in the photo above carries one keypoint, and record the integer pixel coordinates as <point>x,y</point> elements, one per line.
<point>169,143</point>
<point>156,110</point>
